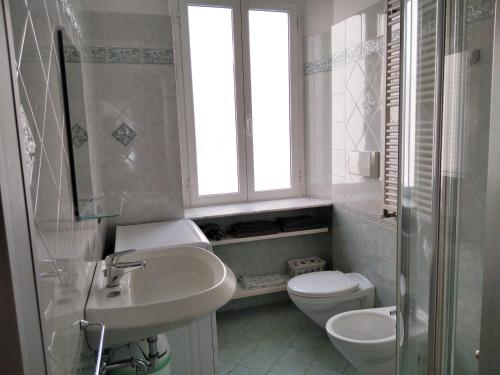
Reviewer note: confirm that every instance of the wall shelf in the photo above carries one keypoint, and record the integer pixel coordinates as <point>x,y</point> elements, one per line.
<point>249,208</point>
<point>245,293</point>
<point>232,240</point>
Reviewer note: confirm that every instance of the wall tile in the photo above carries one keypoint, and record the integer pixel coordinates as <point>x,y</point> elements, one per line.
<point>353,31</point>
<point>141,94</point>
<point>362,242</point>
<point>64,250</point>
<point>264,257</point>
<point>338,37</point>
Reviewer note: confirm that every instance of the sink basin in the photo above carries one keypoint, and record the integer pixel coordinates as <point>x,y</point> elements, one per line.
<point>177,286</point>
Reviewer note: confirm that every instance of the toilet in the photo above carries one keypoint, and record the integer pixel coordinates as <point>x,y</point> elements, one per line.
<point>321,295</point>
<point>367,338</point>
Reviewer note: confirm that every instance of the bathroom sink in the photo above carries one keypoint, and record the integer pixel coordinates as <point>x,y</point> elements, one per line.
<point>177,286</point>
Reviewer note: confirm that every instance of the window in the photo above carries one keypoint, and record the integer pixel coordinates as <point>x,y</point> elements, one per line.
<point>242,100</point>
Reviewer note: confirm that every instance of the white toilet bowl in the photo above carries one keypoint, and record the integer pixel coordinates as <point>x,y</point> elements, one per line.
<point>367,338</point>
<point>321,295</point>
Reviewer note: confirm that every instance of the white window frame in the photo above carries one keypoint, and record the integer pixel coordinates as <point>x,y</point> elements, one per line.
<point>243,105</point>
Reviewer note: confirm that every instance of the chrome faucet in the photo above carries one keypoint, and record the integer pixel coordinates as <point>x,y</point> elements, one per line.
<point>115,269</point>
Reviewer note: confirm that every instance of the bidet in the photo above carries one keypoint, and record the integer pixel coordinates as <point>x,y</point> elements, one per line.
<point>367,338</point>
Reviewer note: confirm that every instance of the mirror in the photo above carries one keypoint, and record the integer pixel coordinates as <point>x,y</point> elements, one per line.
<point>87,204</point>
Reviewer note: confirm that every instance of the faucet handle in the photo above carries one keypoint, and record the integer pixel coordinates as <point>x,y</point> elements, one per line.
<point>112,259</point>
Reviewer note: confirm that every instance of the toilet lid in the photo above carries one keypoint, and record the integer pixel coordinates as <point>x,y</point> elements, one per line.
<point>322,284</point>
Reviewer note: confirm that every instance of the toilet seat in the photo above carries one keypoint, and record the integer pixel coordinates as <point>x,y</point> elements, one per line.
<point>322,284</point>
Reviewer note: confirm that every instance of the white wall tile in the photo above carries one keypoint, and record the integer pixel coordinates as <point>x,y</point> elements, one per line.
<point>64,249</point>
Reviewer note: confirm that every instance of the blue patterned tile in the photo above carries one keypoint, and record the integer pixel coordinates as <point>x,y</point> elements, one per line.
<point>78,135</point>
<point>323,65</point>
<point>124,55</point>
<point>158,56</point>
<point>98,54</point>
<point>124,134</point>
<point>372,46</point>
<point>71,55</point>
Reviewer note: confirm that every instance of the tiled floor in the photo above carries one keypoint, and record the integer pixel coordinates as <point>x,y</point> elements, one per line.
<point>276,339</point>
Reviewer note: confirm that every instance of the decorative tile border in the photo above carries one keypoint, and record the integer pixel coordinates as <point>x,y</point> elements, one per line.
<point>324,65</point>
<point>121,55</point>
<point>158,56</point>
<point>477,10</point>
<point>347,56</point>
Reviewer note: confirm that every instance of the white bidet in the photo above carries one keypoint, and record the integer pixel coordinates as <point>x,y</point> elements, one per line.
<point>367,338</point>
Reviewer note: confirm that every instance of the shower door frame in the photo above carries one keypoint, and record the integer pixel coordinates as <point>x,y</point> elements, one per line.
<point>439,274</point>
<point>441,293</point>
<point>21,339</point>
<point>489,358</point>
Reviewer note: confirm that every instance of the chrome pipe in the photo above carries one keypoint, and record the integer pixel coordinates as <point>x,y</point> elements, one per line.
<point>99,364</point>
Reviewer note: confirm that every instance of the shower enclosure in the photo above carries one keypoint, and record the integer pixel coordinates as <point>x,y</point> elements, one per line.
<point>449,214</point>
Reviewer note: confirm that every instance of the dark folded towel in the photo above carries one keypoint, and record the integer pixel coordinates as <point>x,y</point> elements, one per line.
<point>288,224</point>
<point>254,228</point>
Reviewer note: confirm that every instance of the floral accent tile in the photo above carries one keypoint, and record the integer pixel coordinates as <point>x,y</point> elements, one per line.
<point>78,135</point>
<point>29,145</point>
<point>124,134</point>
<point>369,103</point>
<point>479,9</point>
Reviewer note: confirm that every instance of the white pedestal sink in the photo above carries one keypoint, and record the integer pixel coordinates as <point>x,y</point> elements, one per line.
<point>177,286</point>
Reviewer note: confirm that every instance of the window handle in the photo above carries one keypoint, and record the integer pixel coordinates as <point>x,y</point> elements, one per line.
<point>248,127</point>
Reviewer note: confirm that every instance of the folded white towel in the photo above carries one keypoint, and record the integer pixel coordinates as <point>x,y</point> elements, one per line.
<point>262,281</point>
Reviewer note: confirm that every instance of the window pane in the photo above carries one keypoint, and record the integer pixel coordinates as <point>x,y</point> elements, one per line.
<point>212,66</point>
<point>269,71</point>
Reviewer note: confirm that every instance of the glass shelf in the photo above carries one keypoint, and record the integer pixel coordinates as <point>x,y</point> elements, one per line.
<point>100,207</point>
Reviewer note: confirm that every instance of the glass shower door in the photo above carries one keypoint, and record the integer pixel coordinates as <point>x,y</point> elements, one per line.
<point>467,67</point>
<point>419,142</point>
<point>447,71</point>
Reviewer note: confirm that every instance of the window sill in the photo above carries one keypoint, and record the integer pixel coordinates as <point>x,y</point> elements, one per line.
<point>255,207</point>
